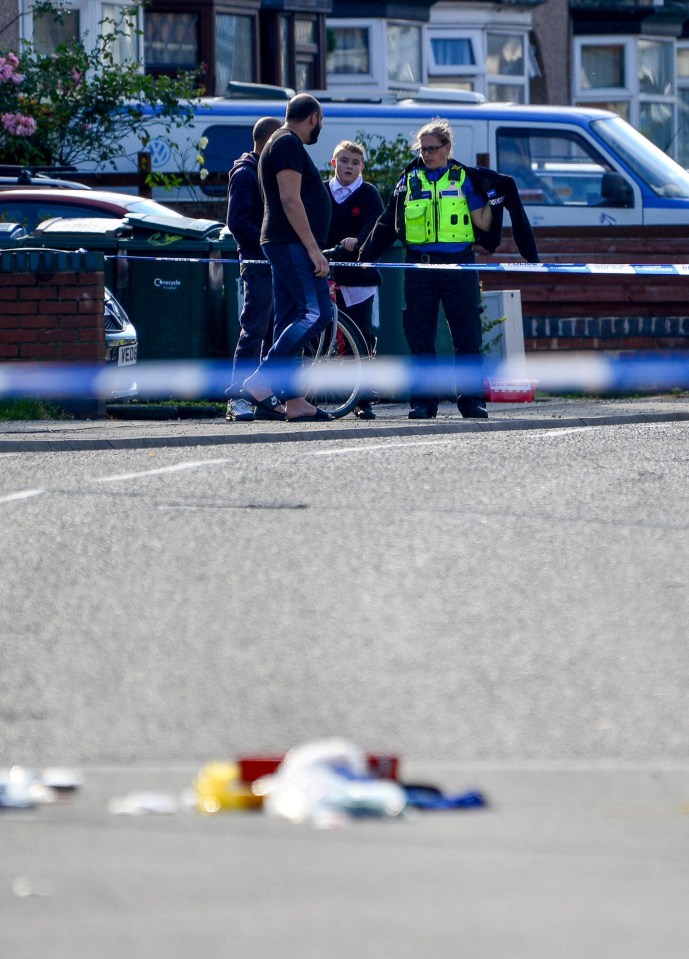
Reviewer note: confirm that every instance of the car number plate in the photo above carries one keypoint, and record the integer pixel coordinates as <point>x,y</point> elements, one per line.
<point>126,355</point>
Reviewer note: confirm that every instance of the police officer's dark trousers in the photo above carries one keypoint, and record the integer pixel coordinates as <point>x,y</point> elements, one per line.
<point>459,293</point>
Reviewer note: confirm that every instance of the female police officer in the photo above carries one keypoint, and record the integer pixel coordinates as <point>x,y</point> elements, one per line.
<point>433,211</point>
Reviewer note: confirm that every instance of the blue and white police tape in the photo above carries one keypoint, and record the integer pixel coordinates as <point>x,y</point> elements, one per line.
<point>625,269</point>
<point>394,378</point>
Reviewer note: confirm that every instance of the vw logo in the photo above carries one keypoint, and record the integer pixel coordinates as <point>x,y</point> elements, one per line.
<point>160,152</point>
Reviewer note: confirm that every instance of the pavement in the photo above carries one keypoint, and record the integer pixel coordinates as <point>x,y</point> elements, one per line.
<point>391,420</point>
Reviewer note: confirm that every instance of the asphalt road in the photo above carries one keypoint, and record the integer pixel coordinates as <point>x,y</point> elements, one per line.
<point>506,611</point>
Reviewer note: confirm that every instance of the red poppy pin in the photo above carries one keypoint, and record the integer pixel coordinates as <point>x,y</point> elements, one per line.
<point>356,211</point>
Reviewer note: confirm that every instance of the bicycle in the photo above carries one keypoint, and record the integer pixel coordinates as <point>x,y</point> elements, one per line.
<point>337,356</point>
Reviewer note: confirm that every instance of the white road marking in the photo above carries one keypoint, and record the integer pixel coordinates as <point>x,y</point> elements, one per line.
<point>177,468</point>
<point>407,444</point>
<point>568,430</point>
<point>411,444</point>
<point>24,494</point>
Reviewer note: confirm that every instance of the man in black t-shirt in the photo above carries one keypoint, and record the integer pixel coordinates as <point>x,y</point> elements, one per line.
<point>295,228</point>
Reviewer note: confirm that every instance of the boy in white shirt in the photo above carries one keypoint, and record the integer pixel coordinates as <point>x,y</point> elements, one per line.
<point>356,205</point>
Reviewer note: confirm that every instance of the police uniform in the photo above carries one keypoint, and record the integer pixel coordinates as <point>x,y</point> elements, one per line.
<point>430,211</point>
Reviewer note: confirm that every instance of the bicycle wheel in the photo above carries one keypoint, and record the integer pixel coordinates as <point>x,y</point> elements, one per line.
<point>336,356</point>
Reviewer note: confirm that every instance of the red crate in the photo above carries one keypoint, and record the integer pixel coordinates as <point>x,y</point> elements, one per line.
<point>509,391</point>
<point>253,767</point>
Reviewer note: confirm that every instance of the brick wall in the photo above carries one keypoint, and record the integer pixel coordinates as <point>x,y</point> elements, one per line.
<point>610,312</point>
<point>612,333</point>
<point>51,306</point>
<point>552,40</point>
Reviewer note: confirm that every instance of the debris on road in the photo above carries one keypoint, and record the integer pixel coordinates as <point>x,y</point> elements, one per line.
<point>324,783</point>
<point>220,786</point>
<point>22,788</point>
<point>144,803</point>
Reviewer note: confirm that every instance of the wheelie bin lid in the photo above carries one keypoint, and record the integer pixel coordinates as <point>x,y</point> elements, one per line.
<point>82,226</point>
<point>191,228</point>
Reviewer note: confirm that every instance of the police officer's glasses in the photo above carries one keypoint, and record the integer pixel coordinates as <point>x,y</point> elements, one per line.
<point>431,150</point>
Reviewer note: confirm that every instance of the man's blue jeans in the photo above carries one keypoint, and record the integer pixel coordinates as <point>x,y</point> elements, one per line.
<point>302,309</point>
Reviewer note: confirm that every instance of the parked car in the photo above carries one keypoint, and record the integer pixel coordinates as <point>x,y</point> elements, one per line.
<point>121,344</point>
<point>39,180</point>
<point>31,205</point>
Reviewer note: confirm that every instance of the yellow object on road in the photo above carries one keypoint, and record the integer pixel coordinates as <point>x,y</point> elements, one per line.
<point>218,786</point>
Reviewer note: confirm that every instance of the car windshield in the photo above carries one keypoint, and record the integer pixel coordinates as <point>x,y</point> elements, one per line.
<point>660,174</point>
<point>150,206</point>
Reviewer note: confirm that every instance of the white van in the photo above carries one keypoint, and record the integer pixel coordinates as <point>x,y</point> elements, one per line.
<point>574,166</point>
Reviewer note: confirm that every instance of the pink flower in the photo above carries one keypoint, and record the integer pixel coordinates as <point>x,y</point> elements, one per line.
<point>8,69</point>
<point>18,125</point>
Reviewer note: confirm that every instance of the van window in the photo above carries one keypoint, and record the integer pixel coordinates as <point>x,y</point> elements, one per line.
<point>226,142</point>
<point>553,168</point>
<point>659,172</point>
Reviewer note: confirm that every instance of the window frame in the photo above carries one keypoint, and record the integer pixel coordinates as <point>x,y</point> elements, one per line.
<point>476,76</point>
<point>90,16</point>
<point>376,53</point>
<point>405,85</point>
<point>253,30</point>
<point>630,93</point>
<point>472,72</point>
<point>376,80</point>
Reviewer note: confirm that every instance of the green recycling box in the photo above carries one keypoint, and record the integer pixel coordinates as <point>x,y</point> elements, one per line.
<point>172,290</point>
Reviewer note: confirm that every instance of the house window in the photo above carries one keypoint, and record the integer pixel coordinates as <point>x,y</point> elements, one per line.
<point>284,79</point>
<point>49,33</point>
<point>171,41</point>
<point>121,23</point>
<point>85,22</point>
<point>403,54</point>
<point>505,93</point>
<point>452,52</point>
<point>496,64</point>
<point>634,77</point>
<point>306,53</point>
<point>356,56</point>
<point>376,54</point>
<point>234,54</point>
<point>506,67</point>
<point>655,67</point>
<point>348,50</point>
<point>453,59</point>
<point>505,55</point>
<point>603,67</point>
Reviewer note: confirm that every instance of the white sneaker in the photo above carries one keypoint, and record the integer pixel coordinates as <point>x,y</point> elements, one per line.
<point>240,410</point>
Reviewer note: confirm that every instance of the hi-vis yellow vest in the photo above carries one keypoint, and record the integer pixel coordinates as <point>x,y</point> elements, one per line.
<point>437,212</point>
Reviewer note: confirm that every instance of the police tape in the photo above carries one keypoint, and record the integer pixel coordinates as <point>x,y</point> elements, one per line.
<point>624,269</point>
<point>394,378</point>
